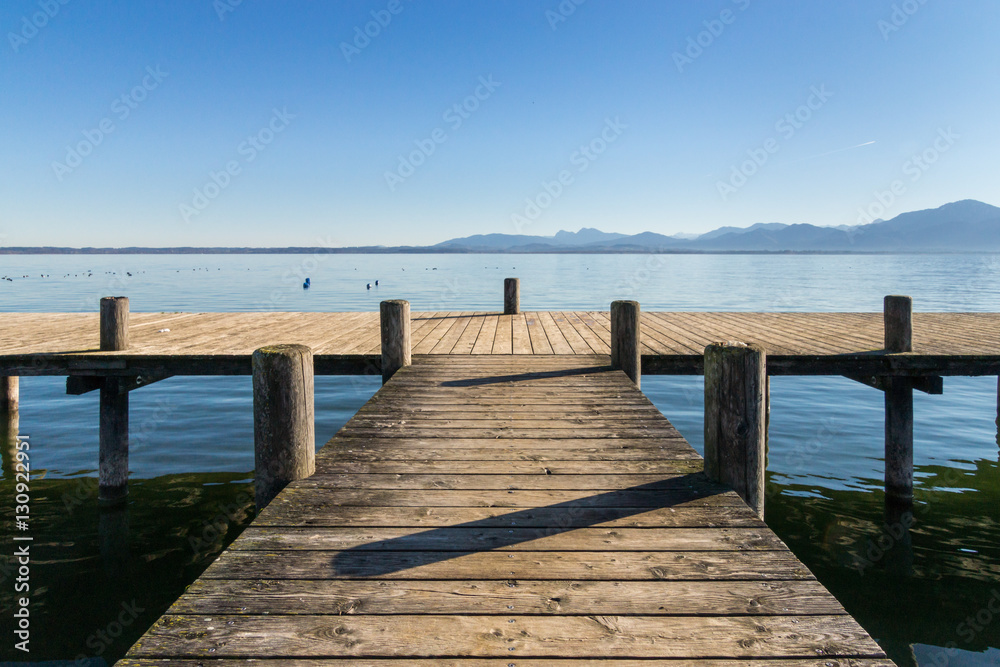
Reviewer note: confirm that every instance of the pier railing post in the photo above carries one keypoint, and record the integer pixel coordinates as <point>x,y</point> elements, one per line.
<point>898,319</point>
<point>735,379</point>
<point>112,482</point>
<point>625,352</point>
<point>284,432</point>
<point>394,318</point>
<point>511,296</point>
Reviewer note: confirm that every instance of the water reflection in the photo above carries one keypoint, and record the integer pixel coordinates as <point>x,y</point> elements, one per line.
<point>9,422</point>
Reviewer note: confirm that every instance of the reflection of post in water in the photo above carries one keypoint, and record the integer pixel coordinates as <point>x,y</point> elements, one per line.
<point>8,423</point>
<point>898,522</point>
<point>114,536</point>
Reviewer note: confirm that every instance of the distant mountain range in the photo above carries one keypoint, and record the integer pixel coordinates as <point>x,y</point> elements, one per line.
<point>962,226</point>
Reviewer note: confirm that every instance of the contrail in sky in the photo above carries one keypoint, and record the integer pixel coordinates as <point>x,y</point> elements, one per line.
<point>839,150</point>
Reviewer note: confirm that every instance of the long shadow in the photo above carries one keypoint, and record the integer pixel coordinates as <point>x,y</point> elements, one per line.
<point>449,542</point>
<point>534,375</point>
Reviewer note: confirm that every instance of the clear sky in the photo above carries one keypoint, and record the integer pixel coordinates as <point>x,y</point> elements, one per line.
<point>276,123</point>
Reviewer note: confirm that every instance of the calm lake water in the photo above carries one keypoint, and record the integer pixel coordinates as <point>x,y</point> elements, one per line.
<point>100,580</point>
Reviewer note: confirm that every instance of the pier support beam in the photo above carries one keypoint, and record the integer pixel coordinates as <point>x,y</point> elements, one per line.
<point>625,352</point>
<point>113,471</point>
<point>898,318</point>
<point>735,381</point>
<point>283,419</point>
<point>394,318</point>
<point>511,296</point>
<point>9,394</point>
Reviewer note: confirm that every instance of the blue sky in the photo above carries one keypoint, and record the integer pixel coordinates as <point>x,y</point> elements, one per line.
<point>267,123</point>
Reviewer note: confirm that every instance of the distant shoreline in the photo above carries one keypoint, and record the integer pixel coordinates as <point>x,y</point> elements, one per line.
<point>44,250</point>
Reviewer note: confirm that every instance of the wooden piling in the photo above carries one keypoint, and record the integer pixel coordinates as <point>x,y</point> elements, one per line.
<point>113,433</point>
<point>283,418</point>
<point>735,379</point>
<point>9,394</point>
<point>8,443</point>
<point>114,323</point>
<point>625,352</point>
<point>511,296</point>
<point>898,319</point>
<point>394,318</point>
<point>113,471</point>
<point>897,313</point>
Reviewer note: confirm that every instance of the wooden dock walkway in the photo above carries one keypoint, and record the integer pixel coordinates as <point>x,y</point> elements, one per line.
<point>505,511</point>
<point>348,343</point>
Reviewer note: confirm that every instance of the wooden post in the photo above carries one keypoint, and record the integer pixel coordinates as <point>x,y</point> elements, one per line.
<point>8,443</point>
<point>395,324</point>
<point>511,296</point>
<point>112,485</point>
<point>625,352</point>
<point>897,314</point>
<point>735,377</point>
<point>898,318</point>
<point>283,418</point>
<point>114,323</point>
<point>9,394</point>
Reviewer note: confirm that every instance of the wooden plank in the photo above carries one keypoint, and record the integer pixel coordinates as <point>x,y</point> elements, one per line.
<point>496,662</point>
<point>472,538</point>
<point>321,498</point>
<point>514,565</point>
<point>646,598</point>
<point>521,340</point>
<point>493,636</point>
<point>484,343</point>
<point>544,517</point>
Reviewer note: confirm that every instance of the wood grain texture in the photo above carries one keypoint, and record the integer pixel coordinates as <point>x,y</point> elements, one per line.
<point>349,343</point>
<point>506,510</point>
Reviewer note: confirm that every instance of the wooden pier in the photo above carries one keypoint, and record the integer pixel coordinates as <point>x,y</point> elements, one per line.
<point>509,497</point>
<point>507,511</point>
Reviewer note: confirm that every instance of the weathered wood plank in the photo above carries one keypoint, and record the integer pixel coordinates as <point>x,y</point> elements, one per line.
<point>646,598</point>
<point>514,565</point>
<point>509,636</point>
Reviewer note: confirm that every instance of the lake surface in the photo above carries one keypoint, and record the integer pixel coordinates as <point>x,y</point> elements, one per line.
<point>99,580</point>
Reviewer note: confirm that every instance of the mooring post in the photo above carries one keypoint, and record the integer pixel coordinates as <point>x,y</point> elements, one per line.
<point>9,394</point>
<point>284,433</point>
<point>511,296</point>
<point>8,427</point>
<point>112,485</point>
<point>735,377</point>
<point>898,318</point>
<point>625,352</point>
<point>394,317</point>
